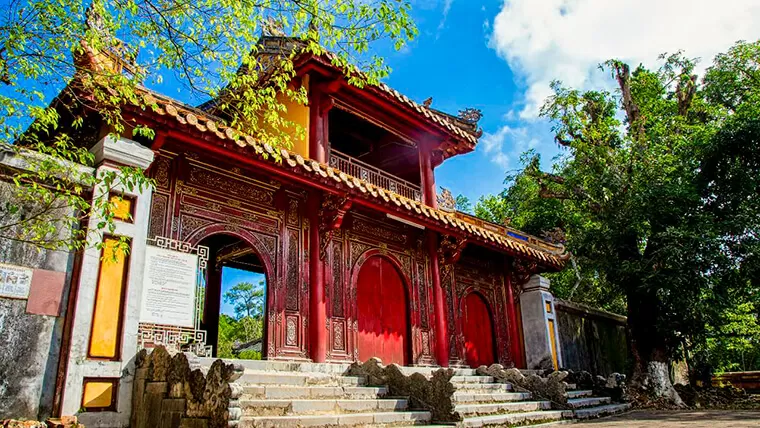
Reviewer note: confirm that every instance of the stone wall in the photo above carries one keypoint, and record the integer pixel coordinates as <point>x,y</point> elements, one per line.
<point>31,329</point>
<point>591,339</point>
<point>169,393</point>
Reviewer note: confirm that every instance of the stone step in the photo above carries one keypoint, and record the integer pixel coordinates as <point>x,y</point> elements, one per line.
<point>467,410</point>
<point>257,377</point>
<point>466,397</point>
<point>428,371</point>
<point>513,419</point>
<point>319,407</point>
<point>578,393</point>
<point>352,419</point>
<point>472,379</point>
<point>284,366</point>
<point>599,411</point>
<point>485,387</point>
<point>583,402</point>
<point>313,392</point>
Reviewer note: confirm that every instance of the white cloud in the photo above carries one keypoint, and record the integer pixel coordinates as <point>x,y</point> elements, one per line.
<point>507,143</point>
<point>446,9</point>
<point>543,40</point>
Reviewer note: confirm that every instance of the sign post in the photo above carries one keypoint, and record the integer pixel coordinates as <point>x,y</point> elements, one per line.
<point>172,300</point>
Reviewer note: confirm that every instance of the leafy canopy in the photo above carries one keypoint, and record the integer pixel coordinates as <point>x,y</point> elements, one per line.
<point>91,58</point>
<point>656,197</point>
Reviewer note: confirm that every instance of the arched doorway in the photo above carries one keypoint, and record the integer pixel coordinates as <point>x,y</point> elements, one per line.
<point>383,320</point>
<point>235,300</point>
<point>478,331</point>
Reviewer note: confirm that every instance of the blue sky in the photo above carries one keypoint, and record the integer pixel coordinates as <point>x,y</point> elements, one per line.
<point>452,62</point>
<point>232,277</point>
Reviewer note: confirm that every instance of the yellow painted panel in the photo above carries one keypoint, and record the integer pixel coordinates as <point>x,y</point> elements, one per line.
<point>97,394</point>
<point>548,307</point>
<point>121,207</point>
<point>108,301</point>
<point>553,342</point>
<point>299,114</point>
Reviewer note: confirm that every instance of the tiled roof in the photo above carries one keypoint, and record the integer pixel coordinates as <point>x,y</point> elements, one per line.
<point>545,253</point>
<point>448,124</point>
<point>464,139</point>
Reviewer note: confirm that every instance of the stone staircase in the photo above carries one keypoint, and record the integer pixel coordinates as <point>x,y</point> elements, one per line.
<point>301,394</point>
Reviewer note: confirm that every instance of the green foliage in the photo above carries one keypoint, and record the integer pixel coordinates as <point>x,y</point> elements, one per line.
<point>247,326</point>
<point>93,57</point>
<point>660,209</point>
<point>249,354</point>
<point>463,204</point>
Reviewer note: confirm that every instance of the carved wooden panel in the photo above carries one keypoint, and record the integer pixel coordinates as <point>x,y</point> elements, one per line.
<point>423,290</point>
<point>158,208</point>
<point>337,280</point>
<point>292,272</point>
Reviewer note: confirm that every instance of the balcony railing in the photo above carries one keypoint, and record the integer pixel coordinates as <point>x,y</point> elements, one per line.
<point>374,175</point>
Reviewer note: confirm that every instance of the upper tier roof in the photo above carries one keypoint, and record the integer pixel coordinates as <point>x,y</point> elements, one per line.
<point>550,256</point>
<point>462,132</point>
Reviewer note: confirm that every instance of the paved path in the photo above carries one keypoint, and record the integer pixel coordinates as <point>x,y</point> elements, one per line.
<point>665,419</point>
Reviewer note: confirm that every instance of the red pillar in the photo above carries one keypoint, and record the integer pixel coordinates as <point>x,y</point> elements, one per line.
<point>317,124</point>
<point>441,332</point>
<point>514,334</point>
<point>427,177</point>
<point>317,304</point>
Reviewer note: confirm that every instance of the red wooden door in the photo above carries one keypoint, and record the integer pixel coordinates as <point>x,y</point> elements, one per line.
<point>381,301</point>
<point>478,331</point>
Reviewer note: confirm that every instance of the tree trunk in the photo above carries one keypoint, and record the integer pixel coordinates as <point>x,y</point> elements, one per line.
<point>651,362</point>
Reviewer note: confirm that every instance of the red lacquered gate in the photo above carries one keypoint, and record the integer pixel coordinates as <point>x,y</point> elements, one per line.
<point>381,300</point>
<point>478,331</point>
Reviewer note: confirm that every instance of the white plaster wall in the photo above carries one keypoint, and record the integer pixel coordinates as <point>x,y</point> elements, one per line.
<point>79,366</point>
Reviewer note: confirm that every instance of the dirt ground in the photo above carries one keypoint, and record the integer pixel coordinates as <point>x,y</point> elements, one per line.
<point>674,419</point>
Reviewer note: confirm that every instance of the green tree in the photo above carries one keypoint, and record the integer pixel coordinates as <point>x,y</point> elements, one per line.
<point>463,203</point>
<point>658,207</point>
<point>62,62</point>
<point>248,300</point>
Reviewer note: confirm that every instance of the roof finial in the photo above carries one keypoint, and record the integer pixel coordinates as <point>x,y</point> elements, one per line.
<point>428,102</point>
<point>469,114</point>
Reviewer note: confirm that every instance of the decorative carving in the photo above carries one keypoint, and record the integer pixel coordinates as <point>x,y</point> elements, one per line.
<point>290,332</point>
<point>291,282</point>
<point>244,190</point>
<point>158,215</point>
<point>293,212</point>
<point>446,200</point>
<point>450,249</point>
<point>471,115</point>
<point>163,165</point>
<point>191,224</point>
<point>426,343</point>
<point>338,342</point>
<point>357,249</point>
<point>269,242</point>
<point>521,273</point>
<point>423,289</point>
<point>434,394</point>
<point>376,231</point>
<point>331,213</point>
<point>555,235</point>
<point>337,278</point>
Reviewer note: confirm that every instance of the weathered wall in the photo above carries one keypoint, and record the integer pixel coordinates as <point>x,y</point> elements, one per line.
<point>591,339</point>
<point>29,343</point>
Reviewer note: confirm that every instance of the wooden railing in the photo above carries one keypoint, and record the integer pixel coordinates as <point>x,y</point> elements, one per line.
<point>374,175</point>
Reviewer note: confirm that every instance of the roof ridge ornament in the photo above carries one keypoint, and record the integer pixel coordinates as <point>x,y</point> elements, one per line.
<point>470,114</point>
<point>446,200</point>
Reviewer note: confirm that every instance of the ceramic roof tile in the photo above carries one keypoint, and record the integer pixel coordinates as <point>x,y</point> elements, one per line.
<point>296,161</point>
